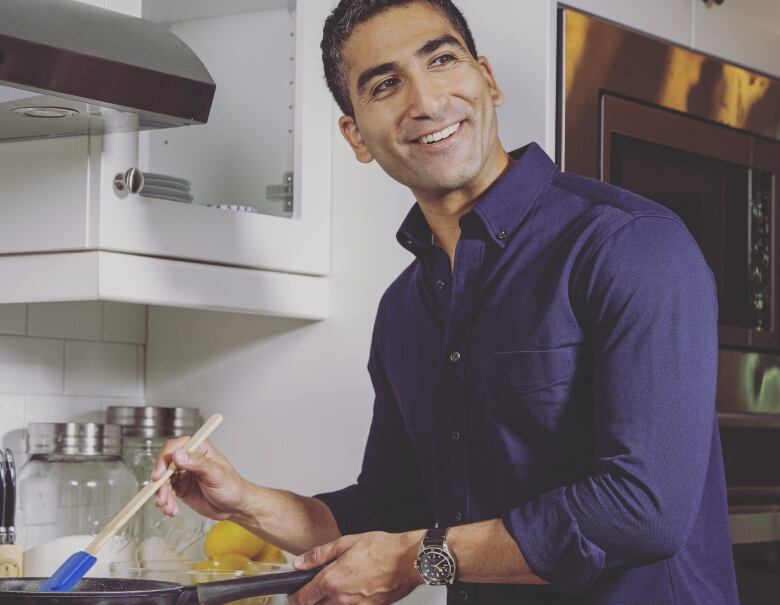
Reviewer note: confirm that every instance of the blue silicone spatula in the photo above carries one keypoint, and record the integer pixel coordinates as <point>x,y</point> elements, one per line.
<point>73,569</point>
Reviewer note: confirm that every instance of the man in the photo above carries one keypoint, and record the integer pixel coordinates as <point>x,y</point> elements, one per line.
<point>534,397</point>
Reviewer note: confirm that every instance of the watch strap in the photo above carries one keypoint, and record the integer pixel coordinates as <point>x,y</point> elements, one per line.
<point>435,536</point>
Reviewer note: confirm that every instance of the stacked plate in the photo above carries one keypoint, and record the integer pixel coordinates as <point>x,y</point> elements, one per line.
<point>166,187</point>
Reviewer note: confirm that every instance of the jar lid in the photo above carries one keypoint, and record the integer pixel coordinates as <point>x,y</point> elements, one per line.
<point>74,439</point>
<point>150,421</point>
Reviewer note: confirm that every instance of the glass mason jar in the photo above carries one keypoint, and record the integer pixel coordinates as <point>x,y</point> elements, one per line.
<point>72,485</point>
<point>145,430</point>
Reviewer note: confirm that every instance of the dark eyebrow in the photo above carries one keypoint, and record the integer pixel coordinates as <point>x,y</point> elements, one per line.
<point>426,49</point>
<point>373,72</point>
<point>433,45</point>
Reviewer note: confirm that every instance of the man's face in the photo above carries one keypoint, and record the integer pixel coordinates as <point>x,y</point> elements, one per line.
<point>411,76</point>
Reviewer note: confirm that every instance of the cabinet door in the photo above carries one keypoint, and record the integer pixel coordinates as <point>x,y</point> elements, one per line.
<point>746,32</point>
<point>667,19</point>
<point>272,114</point>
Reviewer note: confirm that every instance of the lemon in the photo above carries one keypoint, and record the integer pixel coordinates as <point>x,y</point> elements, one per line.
<point>226,562</point>
<point>269,554</point>
<point>228,537</point>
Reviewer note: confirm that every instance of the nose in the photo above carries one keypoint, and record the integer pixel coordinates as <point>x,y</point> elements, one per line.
<point>425,99</point>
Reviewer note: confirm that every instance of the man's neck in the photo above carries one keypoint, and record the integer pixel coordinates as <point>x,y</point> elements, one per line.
<point>443,213</point>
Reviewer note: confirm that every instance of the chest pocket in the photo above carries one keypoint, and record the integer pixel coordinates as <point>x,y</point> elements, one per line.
<point>530,394</point>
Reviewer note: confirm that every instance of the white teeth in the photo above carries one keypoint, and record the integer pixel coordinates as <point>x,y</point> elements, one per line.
<point>438,136</point>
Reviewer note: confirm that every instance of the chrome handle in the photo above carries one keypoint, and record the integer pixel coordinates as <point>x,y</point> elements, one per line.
<point>132,181</point>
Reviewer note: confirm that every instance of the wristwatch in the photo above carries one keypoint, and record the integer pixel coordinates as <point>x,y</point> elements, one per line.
<point>435,562</point>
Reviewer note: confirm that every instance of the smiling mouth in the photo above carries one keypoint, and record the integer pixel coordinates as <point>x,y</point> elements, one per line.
<point>430,139</point>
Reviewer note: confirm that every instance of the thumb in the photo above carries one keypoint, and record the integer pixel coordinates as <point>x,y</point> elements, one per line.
<point>323,554</point>
<point>204,468</point>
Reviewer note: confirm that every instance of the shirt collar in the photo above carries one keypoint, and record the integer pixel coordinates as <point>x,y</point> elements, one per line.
<point>501,208</point>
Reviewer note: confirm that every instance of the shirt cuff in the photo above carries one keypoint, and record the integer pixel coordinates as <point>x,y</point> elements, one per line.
<point>350,509</point>
<point>550,539</point>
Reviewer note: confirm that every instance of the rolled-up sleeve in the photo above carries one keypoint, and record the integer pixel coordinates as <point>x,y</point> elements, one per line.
<point>389,494</point>
<point>648,304</point>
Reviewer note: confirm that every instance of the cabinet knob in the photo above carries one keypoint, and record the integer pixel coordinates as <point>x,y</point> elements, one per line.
<point>131,181</point>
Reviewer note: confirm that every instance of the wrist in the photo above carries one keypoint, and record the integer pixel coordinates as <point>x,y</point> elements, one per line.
<point>411,547</point>
<point>246,509</point>
<point>436,563</point>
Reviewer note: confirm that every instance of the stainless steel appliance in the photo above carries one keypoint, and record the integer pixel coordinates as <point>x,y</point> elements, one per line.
<point>702,137</point>
<point>696,134</point>
<point>751,448</point>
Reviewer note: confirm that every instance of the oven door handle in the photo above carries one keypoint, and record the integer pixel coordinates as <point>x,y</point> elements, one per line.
<point>760,524</point>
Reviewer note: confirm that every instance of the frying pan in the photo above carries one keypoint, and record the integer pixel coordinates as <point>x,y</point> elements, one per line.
<point>115,591</point>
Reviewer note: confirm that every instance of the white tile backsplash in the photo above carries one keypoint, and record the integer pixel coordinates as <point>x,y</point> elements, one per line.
<point>67,362</point>
<point>74,320</point>
<point>13,319</point>
<point>42,408</point>
<point>31,365</point>
<point>102,368</point>
<point>12,413</point>
<point>123,322</point>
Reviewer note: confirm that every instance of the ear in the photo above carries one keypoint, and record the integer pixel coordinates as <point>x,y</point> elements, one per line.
<point>351,133</point>
<point>487,72</point>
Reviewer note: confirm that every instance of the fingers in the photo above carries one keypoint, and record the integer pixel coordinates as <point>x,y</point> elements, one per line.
<point>165,499</point>
<point>320,587</point>
<point>313,593</point>
<point>323,554</point>
<point>207,471</point>
<point>172,445</point>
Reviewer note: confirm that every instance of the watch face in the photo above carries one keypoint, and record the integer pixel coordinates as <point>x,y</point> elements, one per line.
<point>435,566</point>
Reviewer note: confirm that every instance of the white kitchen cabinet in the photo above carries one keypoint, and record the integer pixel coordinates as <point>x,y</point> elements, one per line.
<point>746,32</point>
<point>272,114</point>
<point>667,19</point>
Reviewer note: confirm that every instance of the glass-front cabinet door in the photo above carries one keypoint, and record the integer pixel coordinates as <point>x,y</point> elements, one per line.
<point>250,188</point>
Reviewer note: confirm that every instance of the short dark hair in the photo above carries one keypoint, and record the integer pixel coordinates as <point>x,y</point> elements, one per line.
<point>351,13</point>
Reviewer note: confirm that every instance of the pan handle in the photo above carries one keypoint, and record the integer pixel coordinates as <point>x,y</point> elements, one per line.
<point>224,591</point>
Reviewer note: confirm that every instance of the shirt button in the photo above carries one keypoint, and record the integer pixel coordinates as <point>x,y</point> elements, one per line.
<point>440,285</point>
<point>458,516</point>
<point>502,235</point>
<point>408,242</point>
<point>463,595</point>
<point>454,357</point>
<point>455,435</point>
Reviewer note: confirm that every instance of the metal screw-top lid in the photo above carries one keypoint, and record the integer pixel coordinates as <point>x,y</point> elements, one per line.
<point>74,439</point>
<point>150,422</point>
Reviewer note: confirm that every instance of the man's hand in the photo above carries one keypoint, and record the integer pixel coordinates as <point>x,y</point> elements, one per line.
<point>375,568</point>
<point>204,479</point>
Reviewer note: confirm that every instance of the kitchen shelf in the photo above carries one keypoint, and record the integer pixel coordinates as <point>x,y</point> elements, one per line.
<point>131,278</point>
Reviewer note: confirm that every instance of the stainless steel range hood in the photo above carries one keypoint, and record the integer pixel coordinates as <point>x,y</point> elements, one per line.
<point>68,68</point>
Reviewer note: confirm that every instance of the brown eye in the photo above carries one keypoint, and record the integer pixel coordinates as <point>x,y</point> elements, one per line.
<point>443,59</point>
<point>385,85</point>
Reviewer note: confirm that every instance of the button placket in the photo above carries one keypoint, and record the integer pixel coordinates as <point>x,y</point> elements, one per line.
<point>462,289</point>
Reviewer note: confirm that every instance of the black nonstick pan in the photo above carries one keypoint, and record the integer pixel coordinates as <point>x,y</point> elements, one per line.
<point>100,591</point>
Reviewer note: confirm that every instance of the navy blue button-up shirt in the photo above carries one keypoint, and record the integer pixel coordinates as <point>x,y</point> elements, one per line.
<point>561,378</point>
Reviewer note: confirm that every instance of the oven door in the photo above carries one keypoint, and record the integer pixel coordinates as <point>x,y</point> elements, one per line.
<point>755,536</point>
